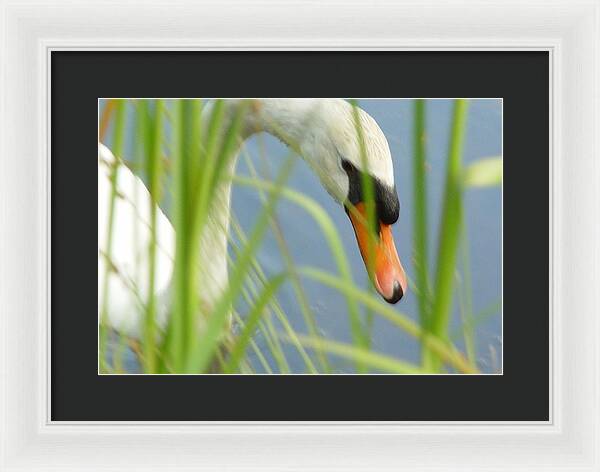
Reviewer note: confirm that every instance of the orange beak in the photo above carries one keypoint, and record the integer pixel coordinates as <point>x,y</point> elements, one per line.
<point>382,261</point>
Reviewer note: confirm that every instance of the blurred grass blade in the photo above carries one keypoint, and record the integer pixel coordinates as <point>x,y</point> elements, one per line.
<point>480,317</point>
<point>420,213</point>
<point>255,349</point>
<point>449,233</point>
<point>485,172</point>
<point>361,356</point>
<point>420,231</point>
<point>237,353</point>
<point>368,199</point>
<point>118,148</point>
<point>175,332</point>
<point>368,195</point>
<point>265,327</point>
<point>466,297</point>
<point>105,118</point>
<point>196,165</point>
<point>154,172</point>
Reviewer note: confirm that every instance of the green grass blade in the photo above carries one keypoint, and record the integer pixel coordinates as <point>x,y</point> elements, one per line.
<point>196,165</point>
<point>175,333</point>
<point>479,317</point>
<point>368,190</point>
<point>154,172</point>
<point>485,172</point>
<point>255,349</point>
<point>238,351</point>
<point>368,199</point>
<point>466,298</point>
<point>420,229</point>
<point>449,236</point>
<point>362,356</point>
<point>118,148</point>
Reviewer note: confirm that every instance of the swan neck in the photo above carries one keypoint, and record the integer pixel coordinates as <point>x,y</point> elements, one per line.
<point>284,119</point>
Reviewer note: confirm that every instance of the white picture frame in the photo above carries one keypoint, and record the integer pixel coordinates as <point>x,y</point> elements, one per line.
<point>568,29</point>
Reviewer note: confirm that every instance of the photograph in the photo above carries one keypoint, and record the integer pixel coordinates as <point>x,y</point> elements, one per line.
<point>300,236</point>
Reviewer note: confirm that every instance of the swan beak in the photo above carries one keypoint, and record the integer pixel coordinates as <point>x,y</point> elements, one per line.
<point>388,274</point>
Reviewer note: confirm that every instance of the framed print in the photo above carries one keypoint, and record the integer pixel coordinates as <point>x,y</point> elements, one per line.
<point>320,243</point>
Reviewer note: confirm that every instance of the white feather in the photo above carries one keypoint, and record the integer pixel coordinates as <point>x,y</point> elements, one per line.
<point>128,280</point>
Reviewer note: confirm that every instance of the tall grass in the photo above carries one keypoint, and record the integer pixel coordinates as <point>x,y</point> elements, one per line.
<point>187,149</point>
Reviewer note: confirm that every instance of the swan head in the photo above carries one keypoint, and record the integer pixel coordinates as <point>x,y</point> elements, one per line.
<point>330,143</point>
<point>325,134</point>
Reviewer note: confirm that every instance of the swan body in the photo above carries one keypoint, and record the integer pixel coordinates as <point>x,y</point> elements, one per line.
<point>323,132</point>
<point>128,277</point>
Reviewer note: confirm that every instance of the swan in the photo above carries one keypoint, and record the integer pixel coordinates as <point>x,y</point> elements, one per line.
<point>324,133</point>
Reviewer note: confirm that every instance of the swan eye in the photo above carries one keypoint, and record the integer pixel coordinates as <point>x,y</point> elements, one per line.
<point>347,166</point>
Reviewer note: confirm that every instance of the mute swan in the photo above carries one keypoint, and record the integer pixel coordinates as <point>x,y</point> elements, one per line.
<point>324,131</point>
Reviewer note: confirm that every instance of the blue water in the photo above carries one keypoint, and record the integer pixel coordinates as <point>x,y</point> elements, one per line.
<point>483,211</point>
